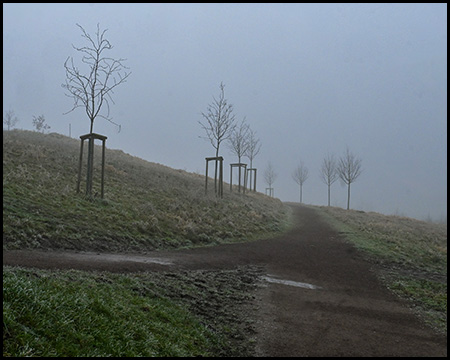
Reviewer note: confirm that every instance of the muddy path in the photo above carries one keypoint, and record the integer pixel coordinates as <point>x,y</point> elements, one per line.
<point>322,298</point>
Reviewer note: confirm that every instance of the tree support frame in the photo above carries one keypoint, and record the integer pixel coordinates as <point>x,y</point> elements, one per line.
<point>240,166</point>
<point>254,179</point>
<point>90,163</point>
<point>218,190</point>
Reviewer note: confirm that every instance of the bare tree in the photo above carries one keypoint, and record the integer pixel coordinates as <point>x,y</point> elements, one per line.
<point>328,172</point>
<point>348,169</point>
<point>270,176</point>
<point>238,144</point>
<point>300,175</point>
<point>219,122</point>
<point>239,140</point>
<point>92,88</point>
<point>10,119</point>
<point>253,146</point>
<point>252,150</point>
<point>39,123</point>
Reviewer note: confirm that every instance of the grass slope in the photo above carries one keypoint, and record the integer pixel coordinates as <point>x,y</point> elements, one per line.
<point>411,255</point>
<point>147,206</point>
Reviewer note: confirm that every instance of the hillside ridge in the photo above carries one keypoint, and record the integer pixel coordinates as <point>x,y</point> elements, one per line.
<point>146,206</point>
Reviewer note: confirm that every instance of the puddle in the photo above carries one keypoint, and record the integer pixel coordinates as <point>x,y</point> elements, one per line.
<point>123,257</point>
<point>149,260</point>
<point>291,283</point>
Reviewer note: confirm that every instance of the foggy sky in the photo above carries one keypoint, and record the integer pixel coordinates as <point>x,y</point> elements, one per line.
<point>310,79</point>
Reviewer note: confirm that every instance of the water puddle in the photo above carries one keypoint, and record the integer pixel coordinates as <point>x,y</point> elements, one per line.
<point>122,257</point>
<point>149,260</point>
<point>290,283</point>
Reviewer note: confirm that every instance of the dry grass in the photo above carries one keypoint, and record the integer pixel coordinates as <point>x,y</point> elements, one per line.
<point>410,257</point>
<point>407,242</point>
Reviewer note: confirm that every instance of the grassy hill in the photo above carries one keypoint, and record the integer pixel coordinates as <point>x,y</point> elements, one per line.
<point>146,206</point>
<point>149,206</point>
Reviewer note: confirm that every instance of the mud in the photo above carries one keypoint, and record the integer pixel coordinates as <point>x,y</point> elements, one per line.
<point>345,311</point>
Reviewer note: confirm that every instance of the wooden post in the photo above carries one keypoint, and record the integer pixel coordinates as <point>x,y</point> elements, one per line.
<point>245,177</point>
<point>79,166</point>
<point>216,169</point>
<point>221,178</point>
<point>206,178</point>
<point>90,167</point>
<point>103,167</point>
<point>231,177</point>
<point>239,181</point>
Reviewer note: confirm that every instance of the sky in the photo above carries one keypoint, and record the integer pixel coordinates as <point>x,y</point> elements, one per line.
<point>310,80</point>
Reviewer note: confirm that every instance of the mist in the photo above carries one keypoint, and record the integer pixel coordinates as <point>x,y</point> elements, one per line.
<point>310,79</point>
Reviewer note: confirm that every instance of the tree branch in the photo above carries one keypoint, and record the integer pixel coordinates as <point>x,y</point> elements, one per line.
<point>93,89</point>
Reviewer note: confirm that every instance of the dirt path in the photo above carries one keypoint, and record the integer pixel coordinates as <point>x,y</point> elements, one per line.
<point>321,297</point>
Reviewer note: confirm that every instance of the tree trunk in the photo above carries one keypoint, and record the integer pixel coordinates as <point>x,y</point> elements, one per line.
<point>328,195</point>
<point>348,198</point>
<point>90,167</point>
<point>250,183</point>
<point>239,174</point>
<point>215,171</point>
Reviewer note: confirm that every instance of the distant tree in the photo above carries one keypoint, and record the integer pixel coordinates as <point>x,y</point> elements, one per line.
<point>270,175</point>
<point>348,169</point>
<point>300,175</point>
<point>10,119</point>
<point>239,140</point>
<point>39,123</point>
<point>328,172</point>
<point>253,146</point>
<point>252,150</point>
<point>238,144</point>
<point>219,122</point>
<point>92,88</point>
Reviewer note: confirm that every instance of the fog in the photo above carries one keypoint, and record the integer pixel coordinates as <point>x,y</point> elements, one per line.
<point>310,79</point>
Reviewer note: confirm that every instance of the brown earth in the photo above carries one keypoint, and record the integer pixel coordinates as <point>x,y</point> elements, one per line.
<point>347,311</point>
